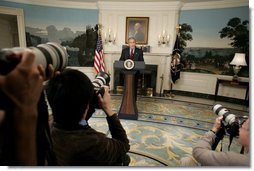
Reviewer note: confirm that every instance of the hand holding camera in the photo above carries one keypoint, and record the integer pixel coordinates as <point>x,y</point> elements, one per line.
<point>226,123</point>
<point>25,123</point>
<point>52,72</point>
<point>48,57</point>
<point>23,85</point>
<point>101,81</point>
<point>105,102</point>
<point>217,124</point>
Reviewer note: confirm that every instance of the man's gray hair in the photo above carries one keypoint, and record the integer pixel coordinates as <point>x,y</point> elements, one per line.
<point>133,38</point>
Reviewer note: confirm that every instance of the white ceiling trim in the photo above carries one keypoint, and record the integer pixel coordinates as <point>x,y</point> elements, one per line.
<point>140,6</point>
<point>114,5</point>
<point>215,4</point>
<point>58,3</point>
<point>11,11</point>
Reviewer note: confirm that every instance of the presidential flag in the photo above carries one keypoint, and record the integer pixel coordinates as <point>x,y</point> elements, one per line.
<point>99,56</point>
<point>175,62</point>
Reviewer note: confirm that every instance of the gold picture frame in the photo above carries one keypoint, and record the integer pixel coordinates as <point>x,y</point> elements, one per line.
<point>137,27</point>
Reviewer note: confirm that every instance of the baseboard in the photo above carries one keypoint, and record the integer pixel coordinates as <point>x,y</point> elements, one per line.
<point>199,95</point>
<point>208,96</point>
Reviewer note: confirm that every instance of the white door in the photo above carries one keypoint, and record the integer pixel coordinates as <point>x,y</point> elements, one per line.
<point>8,31</point>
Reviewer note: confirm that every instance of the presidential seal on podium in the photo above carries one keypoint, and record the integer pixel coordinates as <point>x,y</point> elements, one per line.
<point>129,64</point>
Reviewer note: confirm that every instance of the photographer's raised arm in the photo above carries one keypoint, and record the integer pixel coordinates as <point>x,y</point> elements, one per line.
<point>204,154</point>
<point>23,86</point>
<point>118,145</point>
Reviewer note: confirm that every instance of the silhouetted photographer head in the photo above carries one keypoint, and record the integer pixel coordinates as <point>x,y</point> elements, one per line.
<point>69,95</point>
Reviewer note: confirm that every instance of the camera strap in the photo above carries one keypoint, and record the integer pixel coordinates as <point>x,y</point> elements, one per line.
<point>221,145</point>
<point>242,150</point>
<point>230,141</point>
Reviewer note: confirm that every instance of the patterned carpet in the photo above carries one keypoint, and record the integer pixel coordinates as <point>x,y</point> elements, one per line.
<point>165,131</point>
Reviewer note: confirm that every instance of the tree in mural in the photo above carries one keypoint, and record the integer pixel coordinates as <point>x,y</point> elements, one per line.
<point>86,43</point>
<point>185,35</point>
<point>238,32</point>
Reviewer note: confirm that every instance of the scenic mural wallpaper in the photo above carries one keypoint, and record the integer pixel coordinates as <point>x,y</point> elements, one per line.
<point>72,28</point>
<point>209,38</point>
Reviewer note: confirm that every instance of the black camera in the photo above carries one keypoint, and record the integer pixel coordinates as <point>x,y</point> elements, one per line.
<point>45,54</point>
<point>230,124</point>
<point>101,79</point>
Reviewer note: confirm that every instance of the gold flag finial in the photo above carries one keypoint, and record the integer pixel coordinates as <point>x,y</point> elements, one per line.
<point>178,27</point>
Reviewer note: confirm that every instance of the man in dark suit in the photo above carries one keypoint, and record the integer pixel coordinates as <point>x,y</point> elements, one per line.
<point>133,53</point>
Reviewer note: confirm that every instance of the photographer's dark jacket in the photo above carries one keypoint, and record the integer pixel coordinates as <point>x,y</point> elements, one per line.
<point>204,154</point>
<point>87,147</point>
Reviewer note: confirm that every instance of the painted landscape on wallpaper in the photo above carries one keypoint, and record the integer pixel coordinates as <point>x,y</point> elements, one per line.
<point>80,45</point>
<point>73,28</point>
<point>210,38</point>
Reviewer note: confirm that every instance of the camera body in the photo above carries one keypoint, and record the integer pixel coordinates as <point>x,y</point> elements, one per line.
<point>101,79</point>
<point>231,122</point>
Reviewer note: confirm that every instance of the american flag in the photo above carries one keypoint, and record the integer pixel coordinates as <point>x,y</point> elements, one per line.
<point>98,58</point>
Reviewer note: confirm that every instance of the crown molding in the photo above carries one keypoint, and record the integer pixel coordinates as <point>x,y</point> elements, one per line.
<point>11,11</point>
<point>139,6</point>
<point>215,4</point>
<point>58,3</point>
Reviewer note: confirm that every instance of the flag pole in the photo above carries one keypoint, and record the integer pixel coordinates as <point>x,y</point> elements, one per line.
<point>171,95</point>
<point>99,64</point>
<point>162,78</point>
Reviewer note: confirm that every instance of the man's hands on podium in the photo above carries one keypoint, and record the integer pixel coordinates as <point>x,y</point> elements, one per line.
<point>105,102</point>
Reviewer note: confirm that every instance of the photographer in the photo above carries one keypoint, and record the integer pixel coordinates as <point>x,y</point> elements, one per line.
<point>204,154</point>
<point>75,142</point>
<point>23,87</point>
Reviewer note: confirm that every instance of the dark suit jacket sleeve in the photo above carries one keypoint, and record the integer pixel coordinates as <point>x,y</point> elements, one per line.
<point>122,58</point>
<point>141,57</point>
<point>112,149</point>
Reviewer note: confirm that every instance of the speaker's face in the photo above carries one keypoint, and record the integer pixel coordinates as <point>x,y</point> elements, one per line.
<point>132,43</point>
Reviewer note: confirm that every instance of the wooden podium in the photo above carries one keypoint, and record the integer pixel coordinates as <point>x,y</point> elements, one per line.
<point>128,109</point>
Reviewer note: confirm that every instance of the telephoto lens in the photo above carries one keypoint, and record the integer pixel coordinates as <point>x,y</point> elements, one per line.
<point>228,117</point>
<point>101,79</point>
<point>230,120</point>
<point>51,53</point>
<point>45,54</point>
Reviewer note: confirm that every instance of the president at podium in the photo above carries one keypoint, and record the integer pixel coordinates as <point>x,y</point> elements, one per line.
<point>132,52</point>
<point>135,54</point>
<point>130,63</point>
